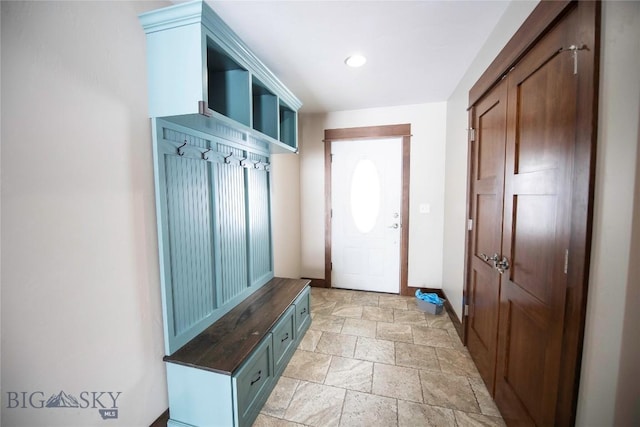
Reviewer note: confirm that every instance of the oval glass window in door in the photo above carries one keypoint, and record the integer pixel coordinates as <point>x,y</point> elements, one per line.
<point>365,195</point>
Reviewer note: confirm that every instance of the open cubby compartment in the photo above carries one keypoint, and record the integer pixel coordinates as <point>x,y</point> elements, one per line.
<point>288,126</point>
<point>202,75</point>
<point>228,85</point>
<point>265,109</point>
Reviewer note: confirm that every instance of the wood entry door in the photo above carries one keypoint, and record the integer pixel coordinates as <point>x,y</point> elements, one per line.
<point>518,300</point>
<point>487,176</point>
<point>541,124</point>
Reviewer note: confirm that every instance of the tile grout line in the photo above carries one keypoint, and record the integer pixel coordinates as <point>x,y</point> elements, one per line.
<point>397,413</point>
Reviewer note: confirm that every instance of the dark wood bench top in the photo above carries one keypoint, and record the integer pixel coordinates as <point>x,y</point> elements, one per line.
<point>223,346</point>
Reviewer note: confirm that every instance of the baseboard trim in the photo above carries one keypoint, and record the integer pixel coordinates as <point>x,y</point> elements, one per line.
<point>162,420</point>
<point>316,283</point>
<point>453,316</point>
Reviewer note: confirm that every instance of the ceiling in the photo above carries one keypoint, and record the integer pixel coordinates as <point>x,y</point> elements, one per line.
<point>417,51</point>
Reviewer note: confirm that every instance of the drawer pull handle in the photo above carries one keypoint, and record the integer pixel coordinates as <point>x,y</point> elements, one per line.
<point>257,379</point>
<point>304,310</point>
<point>286,337</point>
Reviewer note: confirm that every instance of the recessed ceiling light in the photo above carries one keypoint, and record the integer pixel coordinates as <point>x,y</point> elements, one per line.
<point>355,61</point>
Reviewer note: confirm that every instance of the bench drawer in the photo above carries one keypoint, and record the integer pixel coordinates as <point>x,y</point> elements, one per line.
<point>303,311</point>
<point>284,339</point>
<point>252,382</point>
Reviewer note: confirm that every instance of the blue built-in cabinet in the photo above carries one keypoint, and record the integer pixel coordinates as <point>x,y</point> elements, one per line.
<point>203,76</point>
<point>218,114</point>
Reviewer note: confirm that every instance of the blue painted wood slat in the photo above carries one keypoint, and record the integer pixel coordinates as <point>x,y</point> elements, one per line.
<point>190,240</point>
<point>259,215</point>
<point>231,226</point>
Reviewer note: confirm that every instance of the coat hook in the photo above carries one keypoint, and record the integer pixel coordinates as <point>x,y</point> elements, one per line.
<point>243,162</point>
<point>204,154</point>
<point>257,164</point>
<point>226,158</point>
<point>180,152</point>
<point>267,167</point>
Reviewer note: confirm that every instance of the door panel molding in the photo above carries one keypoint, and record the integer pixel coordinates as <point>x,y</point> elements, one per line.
<point>402,131</point>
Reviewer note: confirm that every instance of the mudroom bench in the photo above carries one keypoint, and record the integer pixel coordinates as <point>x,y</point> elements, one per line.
<point>223,376</point>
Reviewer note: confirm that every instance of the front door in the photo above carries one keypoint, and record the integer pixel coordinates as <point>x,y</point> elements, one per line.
<point>366,177</point>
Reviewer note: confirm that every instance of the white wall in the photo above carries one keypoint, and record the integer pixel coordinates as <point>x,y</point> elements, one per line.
<point>285,217</point>
<point>456,155</point>
<point>627,407</point>
<point>426,180</point>
<point>611,279</point>
<point>81,304</point>
<point>312,195</point>
<point>608,388</point>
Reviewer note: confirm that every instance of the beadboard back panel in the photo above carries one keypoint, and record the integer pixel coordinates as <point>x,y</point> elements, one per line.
<point>213,204</point>
<point>190,238</point>
<point>259,206</point>
<point>231,227</point>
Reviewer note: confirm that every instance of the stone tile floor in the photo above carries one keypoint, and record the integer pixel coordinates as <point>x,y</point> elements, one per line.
<point>372,359</point>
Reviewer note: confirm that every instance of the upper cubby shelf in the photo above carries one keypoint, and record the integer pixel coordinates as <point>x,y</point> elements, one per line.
<point>265,109</point>
<point>202,75</point>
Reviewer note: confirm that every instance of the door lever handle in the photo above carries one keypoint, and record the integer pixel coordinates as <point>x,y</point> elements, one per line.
<point>502,265</point>
<point>493,257</point>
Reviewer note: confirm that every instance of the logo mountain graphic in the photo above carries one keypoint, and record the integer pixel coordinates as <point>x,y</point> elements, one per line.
<point>62,400</point>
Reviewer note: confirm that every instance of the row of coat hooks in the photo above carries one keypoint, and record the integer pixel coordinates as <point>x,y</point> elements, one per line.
<point>194,152</point>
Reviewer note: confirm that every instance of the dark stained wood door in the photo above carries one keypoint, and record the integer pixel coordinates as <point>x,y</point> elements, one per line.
<point>487,191</point>
<point>548,74</point>
<point>541,127</point>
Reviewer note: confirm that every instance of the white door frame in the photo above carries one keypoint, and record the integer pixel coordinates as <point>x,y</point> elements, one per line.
<point>402,131</point>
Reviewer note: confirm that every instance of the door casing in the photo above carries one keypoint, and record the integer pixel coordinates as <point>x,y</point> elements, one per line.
<point>402,131</point>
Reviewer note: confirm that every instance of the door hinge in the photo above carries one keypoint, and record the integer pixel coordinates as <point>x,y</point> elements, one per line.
<point>469,224</point>
<point>566,261</point>
<point>331,213</point>
<point>331,265</point>
<point>466,310</point>
<point>472,134</point>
